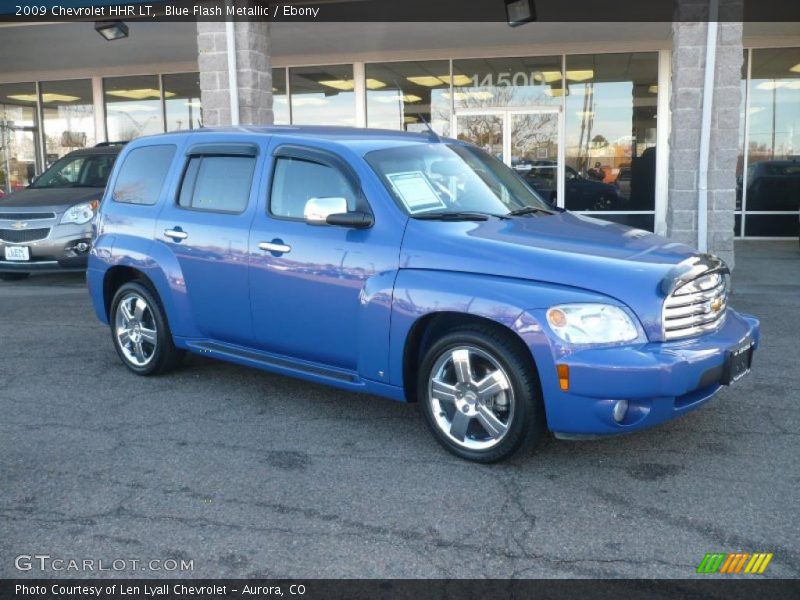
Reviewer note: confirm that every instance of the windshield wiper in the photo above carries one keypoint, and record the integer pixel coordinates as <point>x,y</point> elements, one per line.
<point>457,216</point>
<point>529,210</point>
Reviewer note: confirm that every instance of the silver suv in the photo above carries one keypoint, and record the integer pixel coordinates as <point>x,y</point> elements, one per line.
<point>48,225</point>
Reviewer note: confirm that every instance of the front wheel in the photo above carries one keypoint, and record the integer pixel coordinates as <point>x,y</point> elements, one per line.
<point>480,395</point>
<point>140,331</point>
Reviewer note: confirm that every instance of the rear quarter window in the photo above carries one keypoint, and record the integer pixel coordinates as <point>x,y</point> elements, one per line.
<point>142,175</point>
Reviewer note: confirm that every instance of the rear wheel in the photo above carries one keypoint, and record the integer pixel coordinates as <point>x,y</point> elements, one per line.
<point>480,395</point>
<point>140,331</point>
<point>14,276</point>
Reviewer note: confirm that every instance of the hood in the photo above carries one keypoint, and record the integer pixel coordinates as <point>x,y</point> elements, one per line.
<point>565,249</point>
<point>51,199</point>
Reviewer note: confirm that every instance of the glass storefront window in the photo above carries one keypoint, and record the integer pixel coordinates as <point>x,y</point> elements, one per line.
<point>280,103</point>
<point>772,179</point>
<point>68,110</point>
<point>133,107</point>
<point>404,95</point>
<point>18,133</point>
<point>507,82</point>
<point>610,114</point>
<point>323,95</point>
<point>737,228</point>
<point>182,101</point>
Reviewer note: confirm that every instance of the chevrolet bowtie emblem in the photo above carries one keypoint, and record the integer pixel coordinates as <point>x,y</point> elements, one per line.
<point>716,304</point>
<point>19,225</point>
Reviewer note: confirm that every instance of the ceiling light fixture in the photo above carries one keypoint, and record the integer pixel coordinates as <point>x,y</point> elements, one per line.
<point>140,94</point>
<point>519,12</point>
<point>46,98</point>
<point>111,30</point>
<point>426,80</point>
<point>582,75</point>
<point>345,85</point>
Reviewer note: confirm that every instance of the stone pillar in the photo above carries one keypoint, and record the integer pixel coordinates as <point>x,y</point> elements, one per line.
<point>686,100</point>
<point>253,68</point>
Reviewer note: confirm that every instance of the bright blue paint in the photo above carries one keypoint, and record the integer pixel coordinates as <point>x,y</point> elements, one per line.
<point>339,307</point>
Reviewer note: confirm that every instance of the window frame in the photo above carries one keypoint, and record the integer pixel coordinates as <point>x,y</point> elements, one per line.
<point>224,150</point>
<point>322,157</point>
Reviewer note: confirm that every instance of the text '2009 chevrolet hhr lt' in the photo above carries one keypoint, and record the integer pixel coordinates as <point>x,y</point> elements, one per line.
<point>412,267</point>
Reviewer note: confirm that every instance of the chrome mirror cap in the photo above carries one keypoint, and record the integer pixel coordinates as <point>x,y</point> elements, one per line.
<point>318,210</point>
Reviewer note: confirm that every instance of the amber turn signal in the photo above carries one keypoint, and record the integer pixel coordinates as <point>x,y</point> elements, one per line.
<point>563,377</point>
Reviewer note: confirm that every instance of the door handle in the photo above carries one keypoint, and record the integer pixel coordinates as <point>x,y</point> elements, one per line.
<point>176,234</point>
<point>275,247</point>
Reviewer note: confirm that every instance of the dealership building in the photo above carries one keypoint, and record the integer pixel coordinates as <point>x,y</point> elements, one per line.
<point>602,118</point>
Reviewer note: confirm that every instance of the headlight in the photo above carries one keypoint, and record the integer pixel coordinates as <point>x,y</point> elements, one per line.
<point>80,213</point>
<point>591,323</point>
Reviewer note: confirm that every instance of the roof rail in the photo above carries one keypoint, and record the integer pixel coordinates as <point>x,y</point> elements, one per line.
<point>106,144</point>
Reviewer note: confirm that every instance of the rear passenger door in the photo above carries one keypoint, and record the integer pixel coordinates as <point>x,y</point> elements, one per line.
<point>206,228</point>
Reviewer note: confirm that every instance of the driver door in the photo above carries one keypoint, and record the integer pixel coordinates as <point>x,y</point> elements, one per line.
<point>306,280</point>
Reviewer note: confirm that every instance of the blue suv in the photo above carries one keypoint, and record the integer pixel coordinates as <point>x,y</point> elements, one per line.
<point>411,267</point>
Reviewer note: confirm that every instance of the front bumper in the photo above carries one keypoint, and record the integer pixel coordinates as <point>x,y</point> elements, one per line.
<point>660,380</point>
<point>55,253</point>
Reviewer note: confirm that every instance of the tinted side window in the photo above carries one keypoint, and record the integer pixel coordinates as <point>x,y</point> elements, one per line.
<point>143,174</point>
<point>217,183</point>
<point>296,181</point>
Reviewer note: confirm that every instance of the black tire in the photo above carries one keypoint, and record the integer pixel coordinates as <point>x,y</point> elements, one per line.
<point>164,356</point>
<point>14,276</point>
<point>525,425</point>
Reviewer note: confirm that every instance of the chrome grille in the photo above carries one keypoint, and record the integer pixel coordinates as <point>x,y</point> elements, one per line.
<point>16,236</point>
<point>696,306</point>
<point>20,216</point>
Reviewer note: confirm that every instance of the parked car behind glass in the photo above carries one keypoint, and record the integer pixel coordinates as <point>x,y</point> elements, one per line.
<point>411,267</point>
<point>580,193</point>
<point>48,225</point>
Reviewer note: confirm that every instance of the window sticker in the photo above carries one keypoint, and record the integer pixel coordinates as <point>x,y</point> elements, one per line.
<point>415,191</point>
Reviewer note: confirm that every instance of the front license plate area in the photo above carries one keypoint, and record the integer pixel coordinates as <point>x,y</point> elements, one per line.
<point>737,362</point>
<point>17,253</point>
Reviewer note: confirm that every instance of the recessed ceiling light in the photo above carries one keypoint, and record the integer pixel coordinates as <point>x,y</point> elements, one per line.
<point>111,30</point>
<point>458,80</point>
<point>46,98</point>
<point>547,76</point>
<point>426,80</point>
<point>580,75</point>
<point>795,69</point>
<point>346,85</point>
<point>140,94</point>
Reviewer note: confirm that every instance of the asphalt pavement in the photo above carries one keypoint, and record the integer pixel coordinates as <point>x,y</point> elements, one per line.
<point>248,474</point>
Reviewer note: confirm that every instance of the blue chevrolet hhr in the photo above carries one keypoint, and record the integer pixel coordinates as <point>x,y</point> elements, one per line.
<point>412,267</point>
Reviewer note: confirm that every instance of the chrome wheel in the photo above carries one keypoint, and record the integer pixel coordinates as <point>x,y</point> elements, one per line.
<point>136,330</point>
<point>471,398</point>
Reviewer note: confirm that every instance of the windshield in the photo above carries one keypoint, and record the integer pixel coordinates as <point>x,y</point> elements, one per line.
<point>88,170</point>
<point>451,178</point>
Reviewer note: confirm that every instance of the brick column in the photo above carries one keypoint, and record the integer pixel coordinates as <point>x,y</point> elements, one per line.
<point>688,71</point>
<point>253,67</point>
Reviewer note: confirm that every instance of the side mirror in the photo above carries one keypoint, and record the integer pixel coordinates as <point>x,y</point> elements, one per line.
<point>354,220</point>
<point>333,211</point>
<point>317,210</point>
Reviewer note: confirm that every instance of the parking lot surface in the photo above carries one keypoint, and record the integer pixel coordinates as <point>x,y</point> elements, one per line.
<point>249,474</point>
